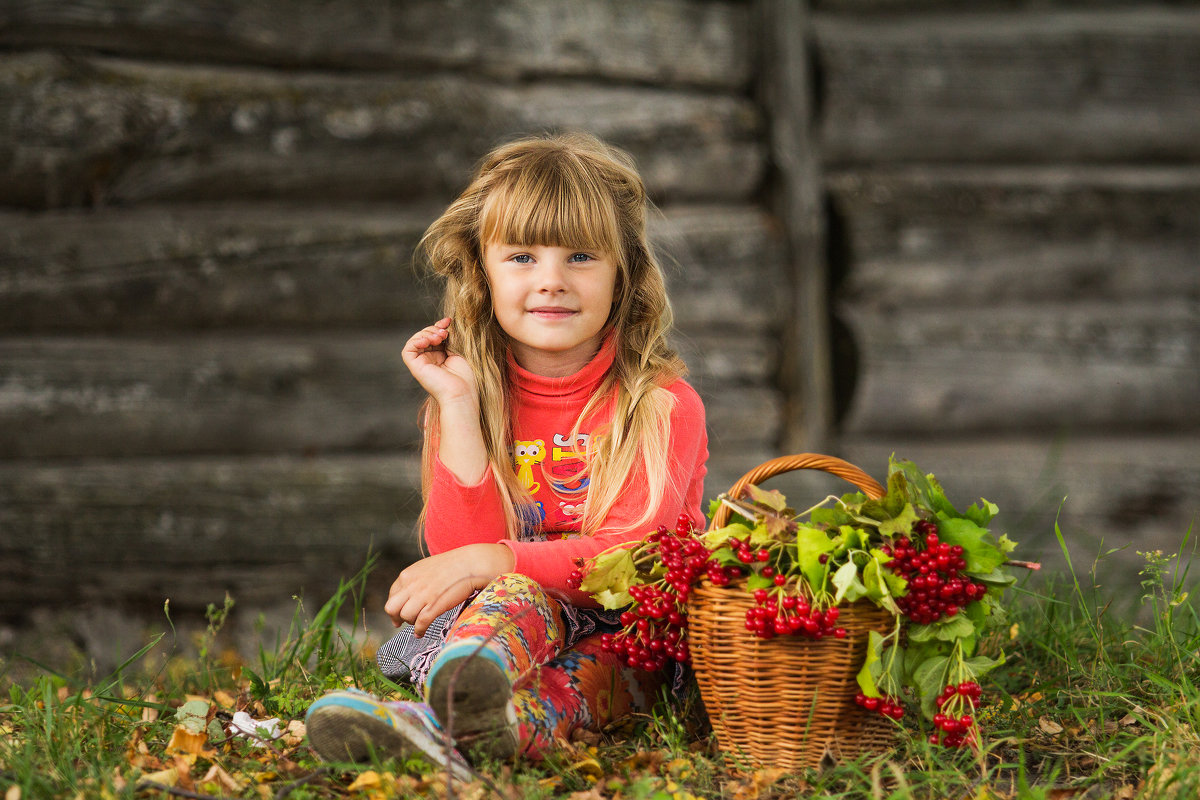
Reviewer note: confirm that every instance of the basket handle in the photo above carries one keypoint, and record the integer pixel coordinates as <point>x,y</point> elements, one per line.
<point>778,466</point>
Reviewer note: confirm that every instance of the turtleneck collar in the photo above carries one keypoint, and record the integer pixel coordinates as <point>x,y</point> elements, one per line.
<point>580,385</point>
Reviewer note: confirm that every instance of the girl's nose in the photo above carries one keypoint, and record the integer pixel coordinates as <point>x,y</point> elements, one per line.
<point>552,276</point>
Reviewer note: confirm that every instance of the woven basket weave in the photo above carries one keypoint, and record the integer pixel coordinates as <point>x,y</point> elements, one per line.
<point>789,701</point>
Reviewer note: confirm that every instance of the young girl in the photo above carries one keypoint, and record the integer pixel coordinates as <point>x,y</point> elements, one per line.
<point>558,425</point>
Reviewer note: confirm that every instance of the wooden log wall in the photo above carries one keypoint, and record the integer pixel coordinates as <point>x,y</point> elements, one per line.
<point>1014,192</point>
<point>207,218</point>
<point>208,211</point>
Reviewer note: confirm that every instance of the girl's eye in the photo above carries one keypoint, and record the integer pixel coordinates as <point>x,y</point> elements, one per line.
<point>518,258</point>
<point>580,257</point>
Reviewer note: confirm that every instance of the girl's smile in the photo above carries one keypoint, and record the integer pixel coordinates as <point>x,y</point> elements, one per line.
<point>553,302</point>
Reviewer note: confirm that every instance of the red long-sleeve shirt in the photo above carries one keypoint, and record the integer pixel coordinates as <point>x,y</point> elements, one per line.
<point>547,462</point>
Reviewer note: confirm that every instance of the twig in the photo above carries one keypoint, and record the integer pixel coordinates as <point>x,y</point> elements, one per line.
<point>162,787</point>
<point>284,791</point>
<point>1033,566</point>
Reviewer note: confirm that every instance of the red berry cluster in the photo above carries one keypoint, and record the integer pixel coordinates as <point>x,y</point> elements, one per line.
<point>887,706</point>
<point>962,730</point>
<point>655,625</point>
<point>776,614</point>
<point>937,586</point>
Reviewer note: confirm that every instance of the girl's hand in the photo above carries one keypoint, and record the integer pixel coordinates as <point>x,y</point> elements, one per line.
<point>447,377</point>
<point>438,583</point>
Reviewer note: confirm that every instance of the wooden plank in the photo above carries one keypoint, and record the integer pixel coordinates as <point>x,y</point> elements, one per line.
<point>652,41</point>
<point>100,130</point>
<point>207,394</point>
<point>982,236</point>
<point>284,393</point>
<point>1090,366</point>
<point>135,531</point>
<point>1137,492</point>
<point>270,265</point>
<point>1032,87</point>
<point>806,374</point>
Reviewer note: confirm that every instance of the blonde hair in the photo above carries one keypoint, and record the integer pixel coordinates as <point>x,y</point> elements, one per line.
<point>565,190</point>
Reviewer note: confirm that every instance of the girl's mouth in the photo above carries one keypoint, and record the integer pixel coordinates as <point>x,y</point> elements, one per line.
<point>551,312</point>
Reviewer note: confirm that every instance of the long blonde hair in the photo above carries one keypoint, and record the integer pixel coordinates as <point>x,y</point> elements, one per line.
<point>565,190</point>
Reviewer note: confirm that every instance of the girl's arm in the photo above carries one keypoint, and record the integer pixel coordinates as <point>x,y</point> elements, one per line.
<point>551,562</point>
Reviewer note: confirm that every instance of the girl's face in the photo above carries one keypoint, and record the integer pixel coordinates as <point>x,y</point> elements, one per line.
<point>552,302</point>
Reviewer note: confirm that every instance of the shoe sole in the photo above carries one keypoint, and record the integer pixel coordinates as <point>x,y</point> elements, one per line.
<point>339,733</point>
<point>483,721</point>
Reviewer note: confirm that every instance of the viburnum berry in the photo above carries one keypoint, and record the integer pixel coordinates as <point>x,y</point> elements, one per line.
<point>937,585</point>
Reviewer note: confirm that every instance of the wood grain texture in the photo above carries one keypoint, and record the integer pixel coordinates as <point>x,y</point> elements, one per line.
<point>72,397</point>
<point>1037,87</point>
<point>1005,235</point>
<point>138,531</point>
<point>98,130</point>
<point>654,41</point>
<point>265,266</point>
<point>1072,367</point>
<point>190,530</point>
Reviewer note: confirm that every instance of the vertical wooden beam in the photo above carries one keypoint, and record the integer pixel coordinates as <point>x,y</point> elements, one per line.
<point>788,97</point>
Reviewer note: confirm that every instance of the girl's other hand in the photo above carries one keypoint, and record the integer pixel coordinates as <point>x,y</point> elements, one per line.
<point>446,376</point>
<point>436,584</point>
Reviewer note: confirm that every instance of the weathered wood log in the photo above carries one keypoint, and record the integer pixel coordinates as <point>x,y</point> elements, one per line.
<point>314,393</point>
<point>1140,492</point>
<point>981,236</point>
<point>946,371</point>
<point>101,130</point>
<point>264,529</point>
<point>651,41</point>
<point>180,267</point>
<point>191,530</point>
<point>1033,87</point>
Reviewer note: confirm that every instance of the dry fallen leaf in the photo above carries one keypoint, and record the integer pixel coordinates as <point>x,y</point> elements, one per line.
<point>223,779</point>
<point>224,699</point>
<point>1049,726</point>
<point>13,793</point>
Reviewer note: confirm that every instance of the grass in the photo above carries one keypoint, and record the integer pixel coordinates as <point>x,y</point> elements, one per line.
<point>1099,698</point>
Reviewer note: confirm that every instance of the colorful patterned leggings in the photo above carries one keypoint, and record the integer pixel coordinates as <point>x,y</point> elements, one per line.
<point>555,692</point>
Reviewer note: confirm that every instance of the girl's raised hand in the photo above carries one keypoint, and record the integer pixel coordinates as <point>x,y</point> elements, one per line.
<point>446,376</point>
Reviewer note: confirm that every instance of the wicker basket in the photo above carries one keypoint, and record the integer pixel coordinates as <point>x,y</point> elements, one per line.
<point>789,701</point>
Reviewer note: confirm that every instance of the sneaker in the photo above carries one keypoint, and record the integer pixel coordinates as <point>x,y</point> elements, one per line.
<point>352,725</point>
<point>480,715</point>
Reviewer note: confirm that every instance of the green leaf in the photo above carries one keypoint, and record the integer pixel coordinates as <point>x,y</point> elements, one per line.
<point>758,581</point>
<point>612,570</point>
<point>946,629</point>
<point>982,665</point>
<point>924,490</point>
<point>930,679</point>
<point>811,543</point>
<point>871,668</point>
<point>720,536</point>
<point>772,499</point>
<point>193,715</point>
<point>981,555</point>
<point>901,524</point>
<point>612,600</point>
<point>847,584</point>
<point>982,515</point>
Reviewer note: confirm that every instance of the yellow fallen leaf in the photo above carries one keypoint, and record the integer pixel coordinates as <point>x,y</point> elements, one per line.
<point>166,777</point>
<point>589,768</point>
<point>13,793</point>
<point>1014,631</point>
<point>266,776</point>
<point>186,743</point>
<point>224,699</point>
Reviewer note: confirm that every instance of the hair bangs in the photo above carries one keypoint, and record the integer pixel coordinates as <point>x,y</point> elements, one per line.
<point>555,202</point>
